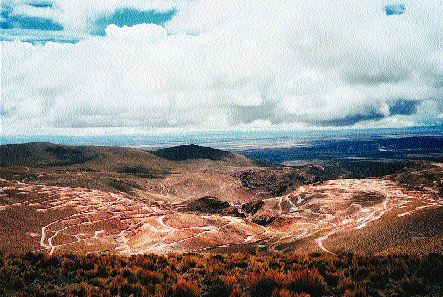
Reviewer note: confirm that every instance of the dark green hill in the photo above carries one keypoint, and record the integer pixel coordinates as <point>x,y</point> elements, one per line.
<point>192,152</point>
<point>44,155</point>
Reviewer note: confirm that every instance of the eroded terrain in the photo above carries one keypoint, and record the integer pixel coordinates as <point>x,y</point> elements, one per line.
<point>58,219</point>
<point>315,213</point>
<point>63,219</point>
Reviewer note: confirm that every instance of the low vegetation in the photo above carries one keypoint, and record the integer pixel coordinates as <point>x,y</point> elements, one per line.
<point>220,275</point>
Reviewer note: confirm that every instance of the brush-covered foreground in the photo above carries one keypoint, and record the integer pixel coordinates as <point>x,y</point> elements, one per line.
<point>207,274</point>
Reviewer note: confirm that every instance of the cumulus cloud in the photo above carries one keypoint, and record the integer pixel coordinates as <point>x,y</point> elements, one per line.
<point>228,64</point>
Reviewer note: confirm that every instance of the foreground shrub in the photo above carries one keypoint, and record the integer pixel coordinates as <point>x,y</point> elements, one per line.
<point>215,287</point>
<point>411,286</point>
<point>263,285</point>
<point>307,281</point>
<point>184,289</point>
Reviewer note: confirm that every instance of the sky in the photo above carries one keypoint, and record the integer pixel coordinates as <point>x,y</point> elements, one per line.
<point>124,66</point>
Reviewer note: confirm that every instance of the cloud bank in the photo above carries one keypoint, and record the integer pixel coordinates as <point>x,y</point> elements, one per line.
<point>226,65</point>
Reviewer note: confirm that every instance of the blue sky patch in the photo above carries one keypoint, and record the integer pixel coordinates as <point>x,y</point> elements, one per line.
<point>404,107</point>
<point>41,4</point>
<point>131,17</point>
<point>395,9</point>
<point>10,21</point>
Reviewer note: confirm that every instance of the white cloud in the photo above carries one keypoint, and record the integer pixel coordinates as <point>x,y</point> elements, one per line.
<point>142,33</point>
<point>224,64</point>
<point>24,9</point>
